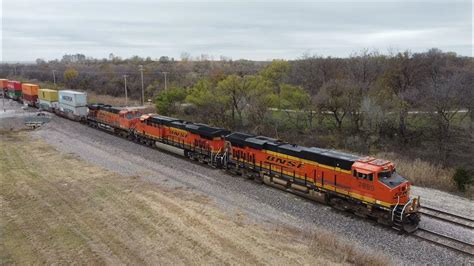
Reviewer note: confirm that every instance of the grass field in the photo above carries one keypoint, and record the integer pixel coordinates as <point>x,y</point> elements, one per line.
<point>58,209</point>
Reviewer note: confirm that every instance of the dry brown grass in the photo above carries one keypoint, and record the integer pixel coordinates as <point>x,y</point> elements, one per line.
<point>58,209</point>
<point>422,173</point>
<point>344,252</point>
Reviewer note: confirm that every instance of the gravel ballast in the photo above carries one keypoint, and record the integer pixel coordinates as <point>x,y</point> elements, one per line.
<point>237,195</point>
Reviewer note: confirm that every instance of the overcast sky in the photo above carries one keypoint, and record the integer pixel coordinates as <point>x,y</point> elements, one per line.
<point>258,30</point>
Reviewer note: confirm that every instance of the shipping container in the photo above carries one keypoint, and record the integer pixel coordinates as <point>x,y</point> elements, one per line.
<point>4,87</point>
<point>47,105</point>
<point>14,85</point>
<point>48,95</point>
<point>3,83</point>
<point>14,94</point>
<point>72,98</point>
<point>30,99</point>
<point>29,89</point>
<point>77,111</point>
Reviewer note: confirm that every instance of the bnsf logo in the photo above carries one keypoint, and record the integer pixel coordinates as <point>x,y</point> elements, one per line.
<point>180,134</point>
<point>67,98</point>
<point>285,162</point>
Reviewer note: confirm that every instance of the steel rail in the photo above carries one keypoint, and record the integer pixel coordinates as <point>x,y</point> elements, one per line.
<point>445,241</point>
<point>447,217</point>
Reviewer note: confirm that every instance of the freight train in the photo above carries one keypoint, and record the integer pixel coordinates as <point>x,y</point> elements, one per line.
<point>366,186</point>
<point>67,103</point>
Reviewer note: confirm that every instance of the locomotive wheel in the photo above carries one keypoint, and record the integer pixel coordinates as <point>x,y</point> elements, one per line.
<point>411,223</point>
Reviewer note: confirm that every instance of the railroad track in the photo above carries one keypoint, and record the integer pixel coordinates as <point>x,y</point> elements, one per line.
<point>447,217</point>
<point>445,241</point>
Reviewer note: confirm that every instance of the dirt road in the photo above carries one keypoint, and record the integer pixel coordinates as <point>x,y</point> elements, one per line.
<point>58,209</point>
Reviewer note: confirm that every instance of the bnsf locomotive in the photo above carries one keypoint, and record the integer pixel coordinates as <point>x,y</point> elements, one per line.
<point>366,186</point>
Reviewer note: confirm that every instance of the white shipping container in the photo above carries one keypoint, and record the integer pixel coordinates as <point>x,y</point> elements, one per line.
<point>72,98</point>
<point>78,111</point>
<point>47,105</point>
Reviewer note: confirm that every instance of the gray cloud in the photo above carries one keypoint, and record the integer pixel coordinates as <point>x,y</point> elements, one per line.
<point>254,30</point>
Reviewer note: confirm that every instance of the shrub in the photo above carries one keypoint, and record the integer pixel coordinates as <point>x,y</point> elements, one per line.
<point>462,178</point>
<point>422,173</point>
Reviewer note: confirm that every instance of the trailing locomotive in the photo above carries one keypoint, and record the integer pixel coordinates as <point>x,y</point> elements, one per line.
<point>196,141</point>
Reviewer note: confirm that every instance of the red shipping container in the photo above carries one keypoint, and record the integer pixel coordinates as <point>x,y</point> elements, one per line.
<point>14,85</point>
<point>30,98</point>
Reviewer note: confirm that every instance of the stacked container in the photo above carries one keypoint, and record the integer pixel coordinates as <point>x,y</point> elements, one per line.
<point>30,93</point>
<point>48,99</point>
<point>73,104</point>
<point>4,87</point>
<point>14,90</point>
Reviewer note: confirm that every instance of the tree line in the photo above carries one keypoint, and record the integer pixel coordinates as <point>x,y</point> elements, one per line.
<point>412,103</point>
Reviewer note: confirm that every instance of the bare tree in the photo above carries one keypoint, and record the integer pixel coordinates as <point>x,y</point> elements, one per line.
<point>444,98</point>
<point>402,78</point>
<point>335,98</point>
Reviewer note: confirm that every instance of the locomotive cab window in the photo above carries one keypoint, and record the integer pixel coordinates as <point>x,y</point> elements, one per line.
<point>385,174</point>
<point>130,116</point>
<point>360,175</point>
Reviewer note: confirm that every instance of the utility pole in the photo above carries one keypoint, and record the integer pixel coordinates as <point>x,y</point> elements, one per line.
<point>166,85</point>
<point>3,100</point>
<point>126,95</point>
<point>143,90</point>
<point>54,76</point>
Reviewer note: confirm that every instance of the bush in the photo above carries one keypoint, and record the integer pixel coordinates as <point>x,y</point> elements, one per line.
<point>462,178</point>
<point>166,101</point>
<point>422,173</point>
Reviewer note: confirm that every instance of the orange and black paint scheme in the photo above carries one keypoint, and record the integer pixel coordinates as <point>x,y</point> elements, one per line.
<point>195,141</point>
<point>366,186</point>
<point>114,119</point>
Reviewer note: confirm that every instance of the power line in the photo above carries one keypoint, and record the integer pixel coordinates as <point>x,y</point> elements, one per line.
<point>98,72</point>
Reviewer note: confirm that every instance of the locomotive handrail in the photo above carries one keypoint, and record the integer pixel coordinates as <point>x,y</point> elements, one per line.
<point>393,211</point>
<point>404,207</point>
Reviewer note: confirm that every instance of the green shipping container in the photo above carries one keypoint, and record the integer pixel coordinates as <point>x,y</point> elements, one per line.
<point>48,95</point>
<point>14,94</point>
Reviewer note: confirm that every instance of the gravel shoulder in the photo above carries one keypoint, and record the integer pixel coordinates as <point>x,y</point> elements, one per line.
<point>261,204</point>
<point>59,209</point>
